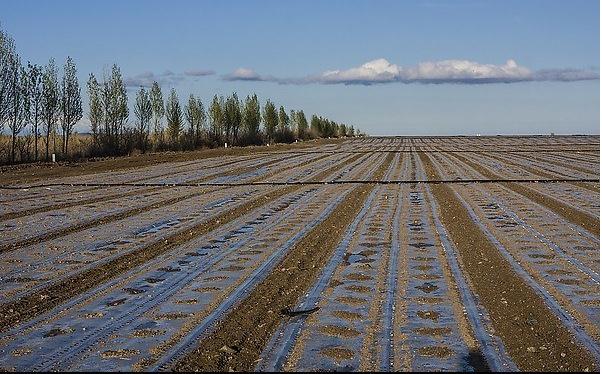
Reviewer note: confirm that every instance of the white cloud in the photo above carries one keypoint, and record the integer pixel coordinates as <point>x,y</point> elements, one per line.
<point>446,71</point>
<point>243,74</point>
<point>376,71</point>
<point>381,71</point>
<point>464,71</point>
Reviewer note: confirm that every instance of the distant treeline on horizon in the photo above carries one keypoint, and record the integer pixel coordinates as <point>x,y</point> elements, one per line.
<point>40,110</point>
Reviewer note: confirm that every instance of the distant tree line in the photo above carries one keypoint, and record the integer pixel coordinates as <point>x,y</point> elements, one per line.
<point>40,106</point>
<point>35,104</point>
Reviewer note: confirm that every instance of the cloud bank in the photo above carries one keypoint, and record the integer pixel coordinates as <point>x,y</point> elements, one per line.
<point>381,71</point>
<point>244,74</point>
<point>167,78</point>
<point>198,72</point>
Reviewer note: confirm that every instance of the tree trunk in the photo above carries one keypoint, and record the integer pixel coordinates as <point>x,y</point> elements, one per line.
<point>47,146</point>
<point>12,152</point>
<point>36,141</point>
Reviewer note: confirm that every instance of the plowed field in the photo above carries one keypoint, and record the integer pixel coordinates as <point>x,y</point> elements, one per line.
<point>387,254</point>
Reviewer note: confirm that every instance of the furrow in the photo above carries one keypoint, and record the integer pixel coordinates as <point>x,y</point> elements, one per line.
<point>38,302</point>
<point>519,315</point>
<point>258,314</point>
<point>589,223</point>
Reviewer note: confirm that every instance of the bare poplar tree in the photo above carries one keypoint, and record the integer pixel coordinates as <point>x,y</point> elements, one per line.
<point>302,132</point>
<point>35,95</point>
<point>116,113</point>
<point>71,102</point>
<point>20,106</point>
<point>195,114</point>
<point>252,118</point>
<point>270,119</point>
<point>173,115</point>
<point>283,120</point>
<point>293,121</point>
<point>216,118</point>
<point>50,101</point>
<point>8,56</point>
<point>96,111</point>
<point>201,122</point>
<point>158,110</point>
<point>232,118</point>
<point>284,133</point>
<point>143,110</point>
<point>235,116</point>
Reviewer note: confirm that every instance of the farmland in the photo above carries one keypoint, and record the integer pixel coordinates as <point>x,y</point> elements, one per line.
<point>405,253</point>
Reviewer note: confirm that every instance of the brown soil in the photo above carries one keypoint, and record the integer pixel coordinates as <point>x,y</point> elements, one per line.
<point>140,191</point>
<point>588,222</point>
<point>524,321</point>
<point>559,163</point>
<point>545,174</point>
<point>358,277</point>
<point>102,220</point>
<point>360,289</point>
<point>45,171</point>
<point>350,316</point>
<point>171,316</point>
<point>340,331</point>
<point>351,301</point>
<point>40,301</point>
<point>122,353</point>
<point>187,301</point>
<point>20,352</point>
<point>250,325</point>
<point>432,315</point>
<point>435,351</point>
<point>434,331</point>
<point>32,305</point>
<point>338,353</point>
<point>147,333</point>
<point>139,210</point>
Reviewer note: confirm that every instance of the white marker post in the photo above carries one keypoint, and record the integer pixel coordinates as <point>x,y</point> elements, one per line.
<point>53,157</point>
<point>225,145</point>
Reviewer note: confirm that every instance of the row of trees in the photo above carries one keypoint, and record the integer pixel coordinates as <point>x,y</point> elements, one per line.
<point>226,120</point>
<point>34,95</point>
<point>39,106</point>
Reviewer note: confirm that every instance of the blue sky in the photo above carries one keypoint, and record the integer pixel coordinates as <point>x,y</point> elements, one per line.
<point>309,55</point>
